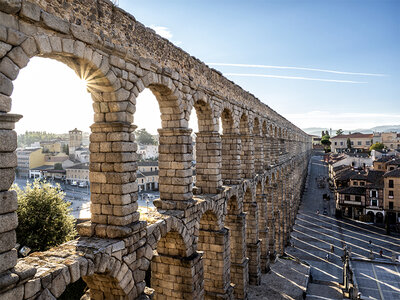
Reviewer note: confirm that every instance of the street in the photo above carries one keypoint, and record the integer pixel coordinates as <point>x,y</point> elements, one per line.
<point>315,233</point>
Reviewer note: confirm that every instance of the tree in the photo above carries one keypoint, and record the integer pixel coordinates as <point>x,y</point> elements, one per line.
<point>58,166</point>
<point>377,146</point>
<point>144,138</point>
<point>44,219</point>
<point>339,132</point>
<point>348,143</point>
<point>325,141</point>
<point>65,149</point>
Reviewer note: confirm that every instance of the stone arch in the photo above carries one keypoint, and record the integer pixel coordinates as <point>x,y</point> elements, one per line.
<point>247,151</point>
<point>208,147</point>
<point>235,221</point>
<point>173,270</point>
<point>253,243</point>
<point>213,241</point>
<point>261,200</point>
<point>259,155</point>
<point>231,149</point>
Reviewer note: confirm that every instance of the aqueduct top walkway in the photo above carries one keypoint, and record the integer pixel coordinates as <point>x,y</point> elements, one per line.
<point>214,239</point>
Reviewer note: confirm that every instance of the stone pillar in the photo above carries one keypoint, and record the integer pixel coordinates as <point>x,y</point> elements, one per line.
<point>239,261</point>
<point>253,243</point>
<point>267,152</point>
<point>175,166</point>
<point>208,162</point>
<point>280,222</point>
<point>112,177</point>
<point>259,154</point>
<point>231,151</point>
<point>281,150</point>
<point>247,156</point>
<point>271,222</point>
<point>274,151</point>
<point>263,232</point>
<point>216,263</point>
<point>8,199</point>
<point>175,277</point>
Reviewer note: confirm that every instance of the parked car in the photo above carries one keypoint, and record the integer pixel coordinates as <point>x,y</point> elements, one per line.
<point>74,183</point>
<point>82,184</point>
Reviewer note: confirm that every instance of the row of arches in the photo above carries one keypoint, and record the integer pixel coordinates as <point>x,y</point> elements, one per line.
<point>246,175</point>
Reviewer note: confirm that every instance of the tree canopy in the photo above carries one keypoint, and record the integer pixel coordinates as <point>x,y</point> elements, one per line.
<point>377,146</point>
<point>30,137</point>
<point>339,132</point>
<point>144,138</point>
<point>325,140</point>
<point>348,143</point>
<point>44,219</point>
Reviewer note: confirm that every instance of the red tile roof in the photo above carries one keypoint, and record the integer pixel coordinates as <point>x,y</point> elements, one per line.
<point>354,135</point>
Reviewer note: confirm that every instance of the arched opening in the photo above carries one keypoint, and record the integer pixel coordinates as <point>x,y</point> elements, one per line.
<point>235,221</point>
<point>268,189</point>
<point>371,216</point>
<point>258,147</point>
<point>247,151</point>
<point>174,274</point>
<point>261,200</point>
<point>207,150</point>
<point>147,119</point>
<point>252,237</point>
<point>379,217</point>
<point>231,150</point>
<point>214,242</point>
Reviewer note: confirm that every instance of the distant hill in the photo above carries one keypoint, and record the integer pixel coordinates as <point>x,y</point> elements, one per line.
<point>382,128</point>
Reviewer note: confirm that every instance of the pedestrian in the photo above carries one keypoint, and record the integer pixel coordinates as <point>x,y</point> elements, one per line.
<point>317,211</point>
<point>327,256</point>
<point>381,253</point>
<point>332,249</point>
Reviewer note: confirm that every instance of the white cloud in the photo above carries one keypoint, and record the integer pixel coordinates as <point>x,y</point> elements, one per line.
<point>295,68</point>
<point>163,31</point>
<point>292,77</point>
<point>349,121</point>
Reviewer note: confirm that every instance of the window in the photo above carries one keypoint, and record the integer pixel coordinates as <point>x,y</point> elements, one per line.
<point>347,197</point>
<point>379,167</point>
<point>373,194</point>
<point>391,183</point>
<point>390,194</point>
<point>341,143</point>
<point>390,169</point>
<point>390,204</point>
<point>374,203</point>
<point>335,143</point>
<point>358,198</point>
<point>359,143</point>
<point>367,143</point>
<point>362,183</point>
<point>355,183</point>
<point>352,143</point>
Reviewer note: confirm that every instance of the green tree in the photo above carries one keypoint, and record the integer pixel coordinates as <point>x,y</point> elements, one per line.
<point>44,218</point>
<point>326,142</point>
<point>65,149</point>
<point>144,138</point>
<point>348,143</point>
<point>58,166</point>
<point>339,132</point>
<point>377,146</point>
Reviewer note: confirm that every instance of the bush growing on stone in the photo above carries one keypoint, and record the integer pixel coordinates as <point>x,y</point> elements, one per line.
<point>44,218</point>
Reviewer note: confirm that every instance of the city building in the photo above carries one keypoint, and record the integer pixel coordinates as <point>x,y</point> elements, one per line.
<point>75,140</point>
<point>360,141</point>
<point>148,151</point>
<point>29,158</point>
<point>391,140</point>
<point>392,195</point>
<point>147,175</point>
<point>78,174</point>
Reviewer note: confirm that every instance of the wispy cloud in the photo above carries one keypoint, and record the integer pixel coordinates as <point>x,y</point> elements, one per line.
<point>292,77</point>
<point>295,68</point>
<point>163,31</point>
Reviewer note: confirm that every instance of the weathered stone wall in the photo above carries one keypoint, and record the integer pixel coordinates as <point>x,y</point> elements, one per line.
<point>214,239</point>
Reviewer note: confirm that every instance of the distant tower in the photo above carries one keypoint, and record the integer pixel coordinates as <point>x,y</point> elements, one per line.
<point>75,140</point>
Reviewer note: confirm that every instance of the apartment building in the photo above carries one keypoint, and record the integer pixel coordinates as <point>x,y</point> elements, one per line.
<point>360,141</point>
<point>392,195</point>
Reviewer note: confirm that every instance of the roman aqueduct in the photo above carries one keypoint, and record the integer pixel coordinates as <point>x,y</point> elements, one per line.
<point>214,239</point>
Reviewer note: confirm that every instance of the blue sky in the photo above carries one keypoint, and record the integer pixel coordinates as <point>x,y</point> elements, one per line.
<point>286,40</point>
<point>351,36</point>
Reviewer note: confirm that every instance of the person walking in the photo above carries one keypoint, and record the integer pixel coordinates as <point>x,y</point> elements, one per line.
<point>332,249</point>
<point>381,253</point>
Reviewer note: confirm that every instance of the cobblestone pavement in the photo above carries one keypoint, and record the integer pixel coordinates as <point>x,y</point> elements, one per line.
<point>315,232</point>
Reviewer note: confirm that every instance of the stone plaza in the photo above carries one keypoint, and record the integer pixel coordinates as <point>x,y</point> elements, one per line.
<point>216,238</point>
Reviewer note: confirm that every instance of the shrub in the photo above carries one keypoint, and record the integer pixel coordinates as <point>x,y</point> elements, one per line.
<point>44,219</point>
